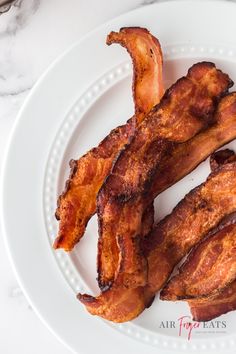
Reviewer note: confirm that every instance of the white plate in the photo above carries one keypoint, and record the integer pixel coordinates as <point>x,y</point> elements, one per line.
<point>83,95</point>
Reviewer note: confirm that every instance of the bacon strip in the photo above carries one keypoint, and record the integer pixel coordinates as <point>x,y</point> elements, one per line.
<point>116,304</point>
<point>192,219</point>
<point>207,309</point>
<point>186,108</point>
<point>185,157</point>
<point>209,268</point>
<point>145,51</point>
<point>77,203</point>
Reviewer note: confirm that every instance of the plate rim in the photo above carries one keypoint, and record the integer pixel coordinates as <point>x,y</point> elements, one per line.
<point>14,130</point>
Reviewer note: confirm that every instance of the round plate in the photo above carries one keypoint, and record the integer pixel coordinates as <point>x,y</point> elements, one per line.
<point>81,97</point>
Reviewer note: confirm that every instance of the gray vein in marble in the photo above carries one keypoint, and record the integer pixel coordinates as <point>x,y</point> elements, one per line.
<point>148,2</point>
<point>15,93</point>
<point>15,76</point>
<point>5,8</point>
<point>18,16</point>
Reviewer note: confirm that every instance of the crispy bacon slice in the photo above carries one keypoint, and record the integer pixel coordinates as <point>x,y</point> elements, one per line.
<point>146,55</point>
<point>209,268</point>
<point>186,108</point>
<point>207,309</point>
<point>183,158</point>
<point>118,304</point>
<point>200,211</point>
<point>77,203</point>
<point>161,248</point>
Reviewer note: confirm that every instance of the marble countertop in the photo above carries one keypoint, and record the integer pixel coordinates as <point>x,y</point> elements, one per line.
<point>32,34</point>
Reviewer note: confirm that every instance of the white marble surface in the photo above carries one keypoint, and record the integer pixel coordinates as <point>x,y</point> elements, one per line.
<point>32,34</point>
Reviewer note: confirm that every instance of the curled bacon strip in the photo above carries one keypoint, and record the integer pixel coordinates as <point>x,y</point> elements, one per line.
<point>146,55</point>
<point>207,309</point>
<point>209,268</point>
<point>186,108</point>
<point>77,203</point>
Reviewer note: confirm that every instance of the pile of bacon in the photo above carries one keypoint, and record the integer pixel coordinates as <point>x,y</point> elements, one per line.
<point>168,136</point>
